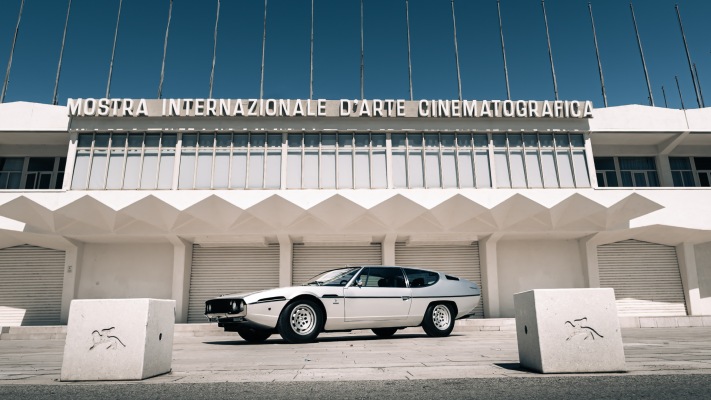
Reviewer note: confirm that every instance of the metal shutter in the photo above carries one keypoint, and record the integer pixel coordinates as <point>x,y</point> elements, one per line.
<point>310,261</point>
<point>31,282</point>
<point>225,270</point>
<point>645,277</point>
<point>458,260</point>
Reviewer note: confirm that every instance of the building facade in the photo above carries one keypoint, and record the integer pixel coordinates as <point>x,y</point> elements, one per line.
<point>186,201</point>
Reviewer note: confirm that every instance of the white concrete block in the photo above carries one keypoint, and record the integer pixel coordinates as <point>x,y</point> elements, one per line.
<point>569,330</point>
<point>118,339</point>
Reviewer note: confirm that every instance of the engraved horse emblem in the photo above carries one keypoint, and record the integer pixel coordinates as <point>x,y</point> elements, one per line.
<point>578,328</point>
<point>105,336</point>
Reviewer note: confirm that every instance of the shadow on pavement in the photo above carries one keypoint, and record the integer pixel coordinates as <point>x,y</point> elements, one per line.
<point>323,340</point>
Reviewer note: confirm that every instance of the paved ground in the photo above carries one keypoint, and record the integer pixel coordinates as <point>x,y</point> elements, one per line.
<point>533,388</point>
<point>361,356</point>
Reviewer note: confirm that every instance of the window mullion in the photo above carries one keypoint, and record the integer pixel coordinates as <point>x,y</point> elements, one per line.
<point>354,153</point>
<point>264,160</point>
<point>318,161</point>
<point>160,154</point>
<point>212,165</point>
<point>388,161</point>
<point>570,160</point>
<point>176,164</point>
<point>249,159</point>
<point>229,160</point>
<point>370,160</point>
<point>140,164</point>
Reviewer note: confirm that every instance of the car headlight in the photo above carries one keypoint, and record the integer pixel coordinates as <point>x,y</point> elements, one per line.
<point>235,306</point>
<point>209,308</point>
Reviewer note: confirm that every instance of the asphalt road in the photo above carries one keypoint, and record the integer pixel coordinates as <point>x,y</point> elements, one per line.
<point>558,387</point>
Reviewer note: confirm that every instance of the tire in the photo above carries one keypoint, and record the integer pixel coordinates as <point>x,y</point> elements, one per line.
<point>252,335</point>
<point>301,321</point>
<point>439,320</point>
<point>384,332</point>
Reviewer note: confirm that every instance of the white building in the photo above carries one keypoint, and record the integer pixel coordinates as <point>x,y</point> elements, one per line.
<point>189,207</point>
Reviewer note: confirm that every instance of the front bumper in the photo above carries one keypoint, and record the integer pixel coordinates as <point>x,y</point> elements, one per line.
<point>218,309</point>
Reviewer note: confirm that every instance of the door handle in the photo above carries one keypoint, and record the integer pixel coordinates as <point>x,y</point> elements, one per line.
<point>405,298</point>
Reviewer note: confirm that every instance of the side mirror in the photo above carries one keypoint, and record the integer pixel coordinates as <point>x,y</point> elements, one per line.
<point>359,283</point>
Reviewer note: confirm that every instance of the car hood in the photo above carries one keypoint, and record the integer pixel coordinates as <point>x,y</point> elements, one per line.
<point>251,297</point>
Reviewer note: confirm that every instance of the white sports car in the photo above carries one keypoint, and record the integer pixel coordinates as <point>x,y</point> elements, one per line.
<point>380,298</point>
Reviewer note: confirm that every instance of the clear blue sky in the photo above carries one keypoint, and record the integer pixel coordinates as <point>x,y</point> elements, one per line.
<point>337,49</point>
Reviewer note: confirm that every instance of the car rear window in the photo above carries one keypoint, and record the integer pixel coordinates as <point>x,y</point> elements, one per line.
<point>420,278</point>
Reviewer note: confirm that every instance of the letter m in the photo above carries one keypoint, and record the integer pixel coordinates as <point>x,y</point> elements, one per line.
<point>74,106</point>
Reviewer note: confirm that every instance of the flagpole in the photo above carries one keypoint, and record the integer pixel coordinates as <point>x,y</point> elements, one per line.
<point>678,88</point>
<point>214,50</point>
<point>165,51</point>
<point>362,54</point>
<point>641,53</point>
<point>503,51</point>
<point>61,55</point>
<point>264,43</point>
<point>409,57</point>
<point>311,56</point>
<point>6,82</point>
<point>550,50</point>
<point>688,57</point>
<point>698,82</point>
<point>113,51</point>
<point>597,53</point>
<point>664,93</point>
<point>456,53</point>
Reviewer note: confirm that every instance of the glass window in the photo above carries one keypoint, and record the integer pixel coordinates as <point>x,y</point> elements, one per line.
<point>638,171</point>
<point>682,172</point>
<point>703,170</point>
<point>420,278</point>
<point>535,161</point>
<point>381,277</point>
<point>11,172</point>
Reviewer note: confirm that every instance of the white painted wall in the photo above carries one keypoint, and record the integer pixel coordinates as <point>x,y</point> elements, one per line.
<point>126,271</point>
<point>703,269</point>
<point>24,116</point>
<point>536,264</point>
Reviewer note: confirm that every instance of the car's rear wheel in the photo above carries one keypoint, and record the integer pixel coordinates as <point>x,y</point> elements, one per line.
<point>254,335</point>
<point>439,320</point>
<point>301,321</point>
<point>384,332</point>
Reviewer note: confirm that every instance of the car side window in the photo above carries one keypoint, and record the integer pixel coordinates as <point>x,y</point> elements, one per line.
<point>419,278</point>
<point>382,277</point>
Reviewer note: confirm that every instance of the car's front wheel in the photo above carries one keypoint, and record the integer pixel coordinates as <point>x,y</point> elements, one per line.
<point>384,332</point>
<point>301,321</point>
<point>254,335</point>
<point>439,320</point>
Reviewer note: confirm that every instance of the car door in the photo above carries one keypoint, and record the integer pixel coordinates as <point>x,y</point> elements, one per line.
<point>378,294</point>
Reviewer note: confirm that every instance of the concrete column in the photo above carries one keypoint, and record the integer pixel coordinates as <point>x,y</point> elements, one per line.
<point>490,275</point>
<point>592,172</point>
<point>72,267</point>
<point>664,170</point>
<point>686,254</point>
<point>71,157</point>
<point>388,249</point>
<point>182,265</point>
<point>492,162</point>
<point>286,250</point>
<point>588,256</point>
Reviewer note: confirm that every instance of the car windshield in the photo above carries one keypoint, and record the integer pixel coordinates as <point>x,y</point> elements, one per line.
<point>336,277</point>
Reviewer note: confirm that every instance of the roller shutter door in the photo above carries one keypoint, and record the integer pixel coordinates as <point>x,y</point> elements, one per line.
<point>31,282</point>
<point>224,270</point>
<point>645,277</point>
<point>458,260</point>
<point>309,261</point>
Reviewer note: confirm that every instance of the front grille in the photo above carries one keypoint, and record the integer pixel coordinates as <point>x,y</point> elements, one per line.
<point>227,306</point>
